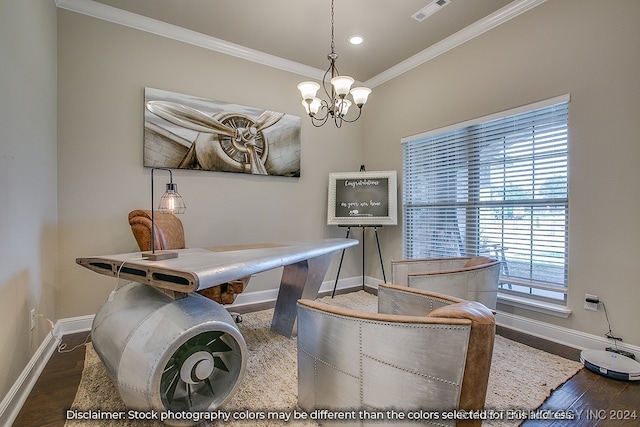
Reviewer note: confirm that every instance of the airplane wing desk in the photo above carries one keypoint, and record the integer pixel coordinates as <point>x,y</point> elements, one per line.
<point>305,266</point>
<point>176,350</point>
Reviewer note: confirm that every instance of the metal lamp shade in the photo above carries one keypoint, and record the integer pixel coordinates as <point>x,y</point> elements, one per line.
<point>171,201</point>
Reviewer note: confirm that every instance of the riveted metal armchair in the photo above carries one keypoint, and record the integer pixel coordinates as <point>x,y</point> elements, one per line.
<point>470,278</point>
<point>169,234</point>
<point>422,351</point>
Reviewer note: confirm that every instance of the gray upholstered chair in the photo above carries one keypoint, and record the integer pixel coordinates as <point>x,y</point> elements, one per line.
<point>421,352</point>
<point>471,278</point>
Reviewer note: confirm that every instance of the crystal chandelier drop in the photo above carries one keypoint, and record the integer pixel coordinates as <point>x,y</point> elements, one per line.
<point>337,107</point>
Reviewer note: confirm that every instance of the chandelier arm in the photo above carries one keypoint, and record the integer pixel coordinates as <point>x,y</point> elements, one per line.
<point>353,120</point>
<point>322,120</point>
<point>324,84</point>
<point>319,123</point>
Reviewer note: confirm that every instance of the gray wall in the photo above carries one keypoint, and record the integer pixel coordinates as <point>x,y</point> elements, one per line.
<point>588,49</point>
<point>28,192</point>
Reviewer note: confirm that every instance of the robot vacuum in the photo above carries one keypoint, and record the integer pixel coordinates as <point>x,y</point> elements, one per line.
<point>610,364</point>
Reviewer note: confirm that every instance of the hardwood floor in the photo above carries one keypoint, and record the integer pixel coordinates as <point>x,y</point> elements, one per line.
<point>56,387</point>
<point>593,400</point>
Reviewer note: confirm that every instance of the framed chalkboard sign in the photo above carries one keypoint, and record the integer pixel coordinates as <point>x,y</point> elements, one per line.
<point>362,198</point>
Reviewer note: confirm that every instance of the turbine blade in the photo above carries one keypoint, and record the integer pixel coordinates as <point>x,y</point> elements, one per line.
<point>171,386</point>
<point>170,365</point>
<point>219,363</point>
<point>207,381</point>
<point>210,337</point>
<point>218,346</point>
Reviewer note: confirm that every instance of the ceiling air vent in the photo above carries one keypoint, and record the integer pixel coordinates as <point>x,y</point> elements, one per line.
<point>430,9</point>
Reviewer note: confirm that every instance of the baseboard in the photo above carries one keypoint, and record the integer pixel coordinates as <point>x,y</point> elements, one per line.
<point>259,297</point>
<point>559,334</point>
<point>73,325</point>
<point>17,395</point>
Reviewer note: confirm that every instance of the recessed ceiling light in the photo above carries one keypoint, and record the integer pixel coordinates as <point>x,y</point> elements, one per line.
<point>356,39</point>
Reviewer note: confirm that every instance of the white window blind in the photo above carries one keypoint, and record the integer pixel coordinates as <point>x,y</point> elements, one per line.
<point>496,187</point>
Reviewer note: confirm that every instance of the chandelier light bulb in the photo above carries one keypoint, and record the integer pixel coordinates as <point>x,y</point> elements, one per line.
<point>342,107</point>
<point>342,84</point>
<point>360,95</point>
<point>306,105</point>
<point>308,90</point>
<point>312,106</point>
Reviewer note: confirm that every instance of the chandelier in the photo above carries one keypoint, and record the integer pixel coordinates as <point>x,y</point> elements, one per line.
<point>337,107</point>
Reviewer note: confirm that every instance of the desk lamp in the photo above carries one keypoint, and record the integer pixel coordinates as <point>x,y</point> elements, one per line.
<point>171,202</point>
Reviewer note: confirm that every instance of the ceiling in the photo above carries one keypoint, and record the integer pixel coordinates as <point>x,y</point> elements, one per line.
<point>300,30</point>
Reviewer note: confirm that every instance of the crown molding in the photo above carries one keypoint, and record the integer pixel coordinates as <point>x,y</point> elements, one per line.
<point>153,26</point>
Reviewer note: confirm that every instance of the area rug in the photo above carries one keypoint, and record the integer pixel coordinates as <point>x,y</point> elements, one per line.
<point>521,378</point>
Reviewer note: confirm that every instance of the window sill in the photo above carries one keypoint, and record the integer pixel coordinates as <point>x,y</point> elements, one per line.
<point>533,305</point>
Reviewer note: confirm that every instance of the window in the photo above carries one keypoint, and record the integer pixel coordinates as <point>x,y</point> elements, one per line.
<point>494,186</point>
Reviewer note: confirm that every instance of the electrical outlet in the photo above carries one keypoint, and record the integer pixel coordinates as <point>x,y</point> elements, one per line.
<point>593,306</point>
<point>32,319</point>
